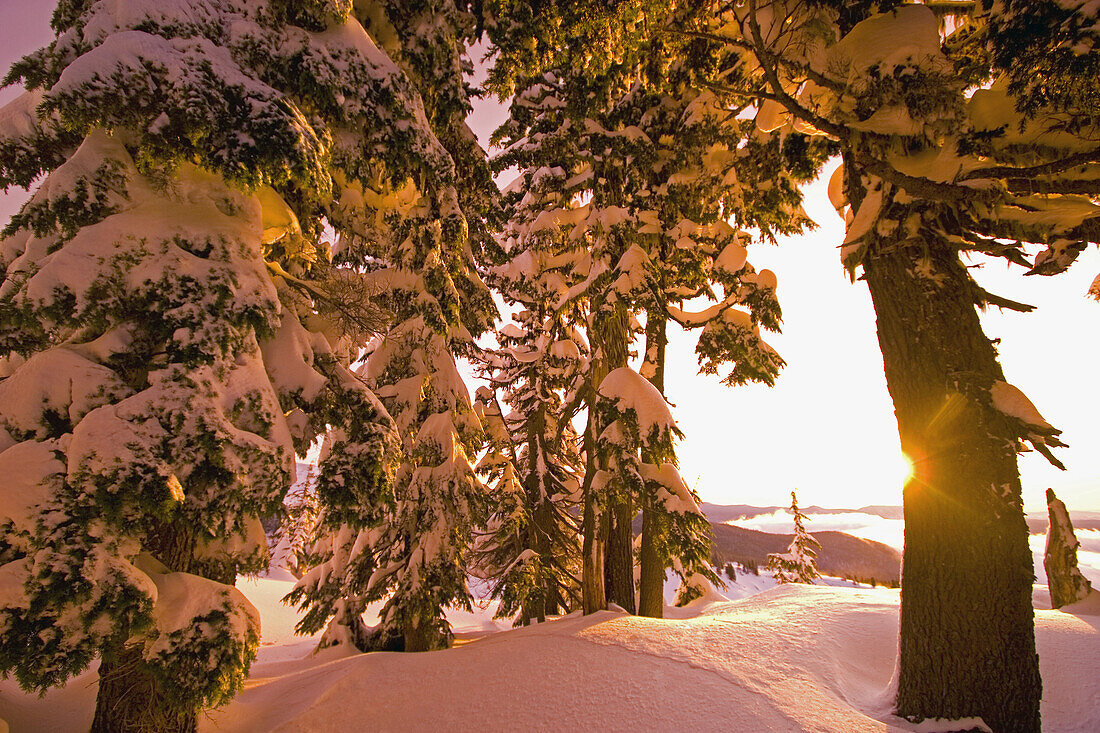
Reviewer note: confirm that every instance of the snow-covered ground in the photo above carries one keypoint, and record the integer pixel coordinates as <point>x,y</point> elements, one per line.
<point>795,658</point>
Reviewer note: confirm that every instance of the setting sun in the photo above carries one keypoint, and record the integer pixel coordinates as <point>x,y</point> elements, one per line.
<point>903,468</point>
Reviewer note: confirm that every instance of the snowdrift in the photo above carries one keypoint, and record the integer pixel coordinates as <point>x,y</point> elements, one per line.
<point>794,658</point>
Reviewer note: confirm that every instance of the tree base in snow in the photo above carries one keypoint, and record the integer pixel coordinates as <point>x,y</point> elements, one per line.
<point>426,637</point>
<point>967,639</point>
<point>380,639</point>
<point>131,700</point>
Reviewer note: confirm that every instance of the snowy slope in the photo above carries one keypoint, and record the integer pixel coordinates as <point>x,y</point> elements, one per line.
<point>796,658</point>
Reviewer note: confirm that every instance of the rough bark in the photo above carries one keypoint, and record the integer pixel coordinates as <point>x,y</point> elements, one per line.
<point>601,583</point>
<point>539,529</point>
<point>967,642</point>
<point>593,591</point>
<point>653,562</point>
<point>612,330</point>
<point>1066,583</point>
<point>422,637</point>
<point>130,699</point>
<point>619,569</point>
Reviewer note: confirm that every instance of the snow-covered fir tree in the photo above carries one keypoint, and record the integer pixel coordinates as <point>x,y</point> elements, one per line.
<point>171,265</point>
<point>423,532</point>
<point>799,563</point>
<point>420,246</point>
<point>530,548</point>
<point>547,245</point>
<point>293,538</point>
<point>691,168</point>
<point>503,555</point>
<point>632,179</point>
<point>429,40</point>
<point>151,471</point>
<point>638,445</point>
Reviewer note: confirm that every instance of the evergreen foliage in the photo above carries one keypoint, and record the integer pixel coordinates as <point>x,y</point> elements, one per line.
<point>171,266</point>
<point>630,174</point>
<point>638,445</point>
<point>529,548</point>
<point>409,542</point>
<point>931,175</point>
<point>799,563</point>
<point>292,539</point>
<point>175,326</point>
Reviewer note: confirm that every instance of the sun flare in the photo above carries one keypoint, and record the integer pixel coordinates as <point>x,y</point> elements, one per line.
<point>903,469</point>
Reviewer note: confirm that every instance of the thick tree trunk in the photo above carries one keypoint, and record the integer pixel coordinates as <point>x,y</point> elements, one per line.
<point>602,570</point>
<point>542,517</point>
<point>651,601</point>
<point>651,597</point>
<point>422,637</point>
<point>619,570</point>
<point>593,591</point>
<point>541,520</point>
<point>130,699</point>
<point>611,330</point>
<point>967,642</point>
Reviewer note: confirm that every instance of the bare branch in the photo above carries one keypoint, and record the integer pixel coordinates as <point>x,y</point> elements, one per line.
<point>984,297</point>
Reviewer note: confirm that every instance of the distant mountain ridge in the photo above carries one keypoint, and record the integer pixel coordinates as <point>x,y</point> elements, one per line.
<point>721,513</point>
<point>841,555</point>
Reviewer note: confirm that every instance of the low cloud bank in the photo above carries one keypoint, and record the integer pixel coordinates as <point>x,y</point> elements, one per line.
<point>869,526</point>
<point>891,532</point>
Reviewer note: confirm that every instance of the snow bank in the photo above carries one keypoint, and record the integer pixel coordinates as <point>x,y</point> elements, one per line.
<point>795,658</point>
<point>558,676</point>
<point>805,658</point>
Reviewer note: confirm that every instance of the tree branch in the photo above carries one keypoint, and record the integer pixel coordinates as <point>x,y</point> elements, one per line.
<point>1045,169</point>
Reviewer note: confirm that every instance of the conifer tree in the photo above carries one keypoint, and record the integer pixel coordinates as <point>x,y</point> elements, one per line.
<point>693,168</point>
<point>639,174</point>
<point>930,175</point>
<point>409,544</point>
<point>544,354</point>
<point>982,178</point>
<point>547,242</point>
<point>293,538</point>
<point>637,444</point>
<point>530,548</point>
<point>799,563</point>
<point>171,265</point>
<point>429,40</point>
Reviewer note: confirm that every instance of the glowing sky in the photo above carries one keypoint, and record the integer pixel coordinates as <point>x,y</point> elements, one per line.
<point>827,428</point>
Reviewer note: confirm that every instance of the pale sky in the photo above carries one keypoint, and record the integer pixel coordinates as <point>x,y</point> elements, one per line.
<point>827,428</point>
